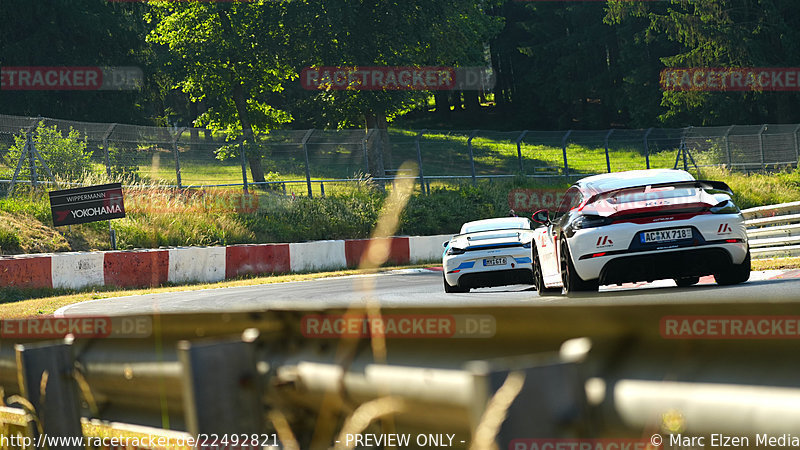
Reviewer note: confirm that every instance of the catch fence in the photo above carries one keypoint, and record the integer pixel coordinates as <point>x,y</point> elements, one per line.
<point>305,161</point>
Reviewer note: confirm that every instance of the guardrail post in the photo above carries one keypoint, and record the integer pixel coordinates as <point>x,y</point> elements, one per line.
<point>105,148</point>
<point>761,146</point>
<point>728,145</point>
<point>419,160</point>
<point>519,150</point>
<point>175,139</point>
<point>555,387</point>
<point>308,167</point>
<point>647,148</point>
<point>564,151</point>
<point>472,157</point>
<point>54,396</point>
<point>322,188</point>
<point>608,160</point>
<point>796,147</point>
<point>222,386</point>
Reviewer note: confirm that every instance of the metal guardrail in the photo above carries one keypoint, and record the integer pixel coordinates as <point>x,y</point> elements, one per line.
<point>774,231</point>
<point>588,371</point>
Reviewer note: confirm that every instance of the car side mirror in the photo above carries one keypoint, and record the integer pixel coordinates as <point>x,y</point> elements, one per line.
<point>541,216</point>
<point>445,244</point>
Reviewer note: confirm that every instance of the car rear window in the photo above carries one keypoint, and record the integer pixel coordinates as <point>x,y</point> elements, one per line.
<point>491,226</point>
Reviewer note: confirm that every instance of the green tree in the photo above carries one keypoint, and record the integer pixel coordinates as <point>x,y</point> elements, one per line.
<point>66,156</point>
<point>75,33</point>
<point>229,53</point>
<point>724,33</point>
<point>386,33</point>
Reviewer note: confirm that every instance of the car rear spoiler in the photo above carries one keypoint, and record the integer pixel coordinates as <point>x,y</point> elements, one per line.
<point>701,184</point>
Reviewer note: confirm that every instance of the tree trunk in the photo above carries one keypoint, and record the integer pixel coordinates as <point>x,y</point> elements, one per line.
<point>207,136</point>
<point>442,103</point>
<point>240,100</point>
<point>374,146</point>
<point>253,157</point>
<point>386,146</point>
<point>194,134</point>
<point>471,101</point>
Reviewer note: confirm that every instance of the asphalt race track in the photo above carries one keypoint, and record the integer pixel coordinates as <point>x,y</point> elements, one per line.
<point>421,287</point>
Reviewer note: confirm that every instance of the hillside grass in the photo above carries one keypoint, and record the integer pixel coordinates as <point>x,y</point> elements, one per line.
<point>160,216</point>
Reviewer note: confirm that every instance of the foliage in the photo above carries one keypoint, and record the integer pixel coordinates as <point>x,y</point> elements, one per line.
<point>9,241</point>
<point>66,156</point>
<point>122,165</point>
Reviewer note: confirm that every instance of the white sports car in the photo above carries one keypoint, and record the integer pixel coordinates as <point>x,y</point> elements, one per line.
<point>642,225</point>
<point>491,252</point>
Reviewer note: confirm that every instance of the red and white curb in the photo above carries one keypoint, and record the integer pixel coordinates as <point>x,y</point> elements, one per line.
<point>145,268</point>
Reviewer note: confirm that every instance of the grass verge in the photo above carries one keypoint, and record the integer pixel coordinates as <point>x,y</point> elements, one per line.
<point>776,263</point>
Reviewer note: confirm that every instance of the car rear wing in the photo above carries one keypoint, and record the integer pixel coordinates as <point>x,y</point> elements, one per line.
<point>714,186</point>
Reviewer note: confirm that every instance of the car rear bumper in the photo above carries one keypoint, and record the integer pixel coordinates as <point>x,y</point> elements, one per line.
<point>470,267</point>
<point>496,278</point>
<point>657,266</point>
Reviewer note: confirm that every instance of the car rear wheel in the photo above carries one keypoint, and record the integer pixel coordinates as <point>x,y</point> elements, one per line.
<point>452,289</point>
<point>735,274</point>
<point>687,281</point>
<point>570,278</point>
<point>538,277</point>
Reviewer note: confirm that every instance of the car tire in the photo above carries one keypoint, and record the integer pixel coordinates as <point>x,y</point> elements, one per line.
<point>687,281</point>
<point>735,274</point>
<point>538,277</point>
<point>453,289</point>
<point>570,278</point>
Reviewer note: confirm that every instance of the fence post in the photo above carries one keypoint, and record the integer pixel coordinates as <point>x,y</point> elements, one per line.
<point>105,148</point>
<point>519,150</point>
<point>54,396</point>
<point>761,145</point>
<point>647,148</point>
<point>472,157</point>
<point>308,168</point>
<point>175,139</point>
<point>244,166</point>
<point>608,160</point>
<point>728,145</point>
<point>796,147</point>
<point>564,151</point>
<point>419,160</point>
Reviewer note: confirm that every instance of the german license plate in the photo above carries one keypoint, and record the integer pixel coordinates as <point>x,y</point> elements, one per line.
<point>675,234</point>
<point>494,262</point>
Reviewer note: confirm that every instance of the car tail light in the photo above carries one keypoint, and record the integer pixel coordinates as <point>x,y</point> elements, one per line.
<point>455,251</point>
<point>593,255</point>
